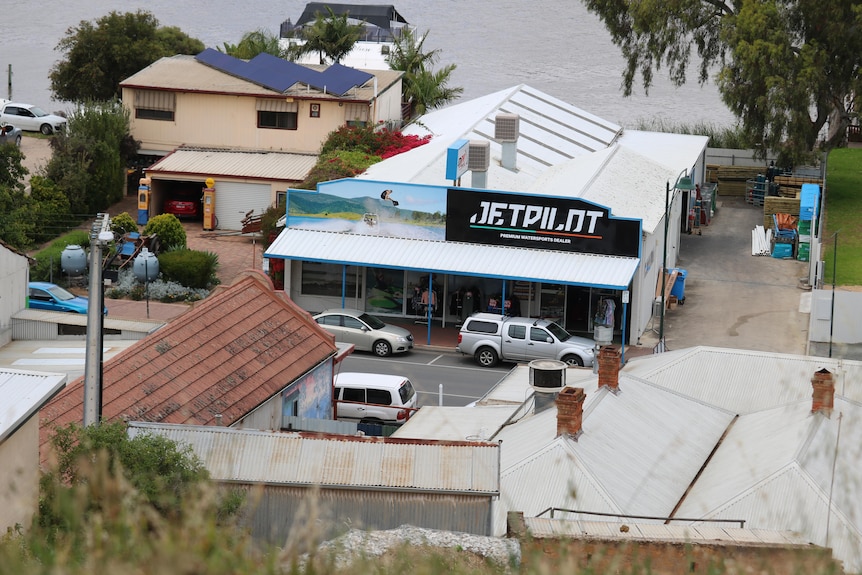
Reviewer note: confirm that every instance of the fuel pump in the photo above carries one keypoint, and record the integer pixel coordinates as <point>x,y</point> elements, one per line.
<point>143,201</point>
<point>209,205</point>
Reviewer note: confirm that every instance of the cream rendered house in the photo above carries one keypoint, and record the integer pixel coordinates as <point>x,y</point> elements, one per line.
<point>255,127</point>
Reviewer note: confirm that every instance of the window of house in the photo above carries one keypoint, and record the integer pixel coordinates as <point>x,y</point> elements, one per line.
<point>277,114</point>
<point>356,114</point>
<point>277,120</point>
<point>155,105</point>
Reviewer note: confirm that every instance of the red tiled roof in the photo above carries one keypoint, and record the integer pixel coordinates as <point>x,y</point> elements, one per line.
<point>227,355</point>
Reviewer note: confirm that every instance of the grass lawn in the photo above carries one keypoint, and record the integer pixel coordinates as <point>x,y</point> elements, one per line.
<point>842,215</point>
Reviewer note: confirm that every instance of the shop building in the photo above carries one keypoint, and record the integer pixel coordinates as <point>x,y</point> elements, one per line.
<point>564,218</point>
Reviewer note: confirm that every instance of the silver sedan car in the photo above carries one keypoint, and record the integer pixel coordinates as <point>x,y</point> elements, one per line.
<point>9,134</point>
<point>365,331</point>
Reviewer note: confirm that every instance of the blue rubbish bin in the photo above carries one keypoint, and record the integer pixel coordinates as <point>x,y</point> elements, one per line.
<point>678,288</point>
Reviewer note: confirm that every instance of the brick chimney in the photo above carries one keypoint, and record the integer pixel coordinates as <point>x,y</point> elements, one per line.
<point>823,392</point>
<point>570,411</point>
<point>609,367</point>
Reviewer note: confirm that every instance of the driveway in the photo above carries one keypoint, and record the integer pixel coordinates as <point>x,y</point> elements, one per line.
<point>734,299</point>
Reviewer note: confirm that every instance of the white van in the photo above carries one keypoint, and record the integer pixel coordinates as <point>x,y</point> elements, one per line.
<point>374,398</point>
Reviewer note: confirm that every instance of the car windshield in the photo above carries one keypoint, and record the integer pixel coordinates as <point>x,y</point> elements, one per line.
<point>372,321</point>
<point>38,112</point>
<point>558,331</point>
<point>61,294</point>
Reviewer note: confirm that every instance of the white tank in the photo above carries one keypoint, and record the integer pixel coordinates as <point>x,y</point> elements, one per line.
<point>73,260</point>
<point>146,266</point>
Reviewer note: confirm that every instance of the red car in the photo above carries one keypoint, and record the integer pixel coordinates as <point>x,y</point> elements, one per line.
<point>184,205</point>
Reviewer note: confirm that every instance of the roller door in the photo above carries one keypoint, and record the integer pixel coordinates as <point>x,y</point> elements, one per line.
<point>234,200</point>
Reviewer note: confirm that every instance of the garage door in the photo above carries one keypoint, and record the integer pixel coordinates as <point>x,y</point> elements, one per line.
<point>234,200</point>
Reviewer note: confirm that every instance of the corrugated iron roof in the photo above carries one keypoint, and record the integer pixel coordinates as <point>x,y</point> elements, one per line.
<point>252,456</point>
<point>140,326</point>
<point>226,356</point>
<point>744,381</point>
<point>455,258</point>
<point>270,166</point>
<point>550,132</point>
<point>454,424</point>
<point>23,394</point>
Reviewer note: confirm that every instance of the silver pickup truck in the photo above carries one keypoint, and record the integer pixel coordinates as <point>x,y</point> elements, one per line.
<point>490,338</point>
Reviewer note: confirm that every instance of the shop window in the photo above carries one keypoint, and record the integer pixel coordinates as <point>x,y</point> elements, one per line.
<point>277,120</point>
<point>325,279</point>
<point>384,290</point>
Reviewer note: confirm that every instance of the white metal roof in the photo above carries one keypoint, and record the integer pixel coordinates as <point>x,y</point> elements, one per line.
<point>455,258</point>
<point>744,381</point>
<point>24,393</point>
<point>329,460</point>
<point>279,166</point>
<point>786,468</point>
<point>550,132</point>
<point>631,184</point>
<point>454,424</point>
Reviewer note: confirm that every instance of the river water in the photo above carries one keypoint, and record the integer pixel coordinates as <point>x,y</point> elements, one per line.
<point>553,45</point>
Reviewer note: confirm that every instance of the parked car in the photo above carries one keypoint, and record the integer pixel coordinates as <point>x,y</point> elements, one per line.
<point>9,134</point>
<point>365,331</point>
<point>184,204</point>
<point>490,337</point>
<point>51,297</point>
<point>374,398</point>
<point>30,118</point>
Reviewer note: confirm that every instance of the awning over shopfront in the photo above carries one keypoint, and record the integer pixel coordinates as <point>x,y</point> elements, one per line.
<point>550,266</point>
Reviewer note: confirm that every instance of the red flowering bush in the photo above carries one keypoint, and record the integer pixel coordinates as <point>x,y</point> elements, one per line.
<point>382,143</point>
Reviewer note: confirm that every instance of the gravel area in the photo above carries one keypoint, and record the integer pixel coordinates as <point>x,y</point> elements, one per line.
<point>356,545</point>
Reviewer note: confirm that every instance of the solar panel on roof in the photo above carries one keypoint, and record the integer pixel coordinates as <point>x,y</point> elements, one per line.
<point>277,74</point>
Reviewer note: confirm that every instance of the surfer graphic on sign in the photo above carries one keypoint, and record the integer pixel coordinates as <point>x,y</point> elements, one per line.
<point>386,195</point>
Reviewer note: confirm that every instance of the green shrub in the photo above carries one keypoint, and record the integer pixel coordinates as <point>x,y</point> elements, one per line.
<point>191,268</point>
<point>336,165</point>
<point>123,224</point>
<point>168,229</point>
<point>47,266</point>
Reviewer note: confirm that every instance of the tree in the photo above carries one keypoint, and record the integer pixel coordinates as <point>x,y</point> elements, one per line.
<point>423,89</point>
<point>786,68</point>
<point>254,43</point>
<point>99,56</point>
<point>331,36</point>
<point>90,156</point>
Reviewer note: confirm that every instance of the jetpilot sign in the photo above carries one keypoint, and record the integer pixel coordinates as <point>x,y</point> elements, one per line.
<point>538,222</point>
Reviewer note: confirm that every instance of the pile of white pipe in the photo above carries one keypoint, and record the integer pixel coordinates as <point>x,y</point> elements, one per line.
<point>761,240</point>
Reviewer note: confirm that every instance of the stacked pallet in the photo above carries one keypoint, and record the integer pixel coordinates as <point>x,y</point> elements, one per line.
<point>789,186</point>
<point>731,179</point>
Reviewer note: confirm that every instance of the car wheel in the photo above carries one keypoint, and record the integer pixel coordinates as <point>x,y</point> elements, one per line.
<point>573,361</point>
<point>18,141</point>
<point>46,129</point>
<point>486,357</point>
<point>382,348</point>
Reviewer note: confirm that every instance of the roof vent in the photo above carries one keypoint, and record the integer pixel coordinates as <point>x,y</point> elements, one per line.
<point>479,156</point>
<point>507,127</point>
<point>547,378</point>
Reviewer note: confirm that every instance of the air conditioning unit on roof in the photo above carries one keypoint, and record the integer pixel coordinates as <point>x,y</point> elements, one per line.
<point>479,156</point>
<point>507,127</point>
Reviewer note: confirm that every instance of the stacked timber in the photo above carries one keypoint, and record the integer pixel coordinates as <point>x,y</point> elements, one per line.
<point>778,205</point>
<point>790,186</point>
<point>731,179</point>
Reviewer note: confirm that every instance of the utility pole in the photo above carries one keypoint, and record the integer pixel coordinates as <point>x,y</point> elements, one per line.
<point>100,234</point>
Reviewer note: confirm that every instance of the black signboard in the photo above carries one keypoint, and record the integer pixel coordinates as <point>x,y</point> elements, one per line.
<point>539,222</point>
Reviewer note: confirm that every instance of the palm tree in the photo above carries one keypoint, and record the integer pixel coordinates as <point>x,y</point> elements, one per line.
<point>330,36</point>
<point>423,89</point>
<point>253,43</point>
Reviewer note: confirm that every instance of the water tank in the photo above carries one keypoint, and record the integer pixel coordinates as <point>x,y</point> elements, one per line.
<point>146,266</point>
<point>73,260</point>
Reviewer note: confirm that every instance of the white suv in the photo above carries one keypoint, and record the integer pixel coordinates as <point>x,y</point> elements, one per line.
<point>374,398</point>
